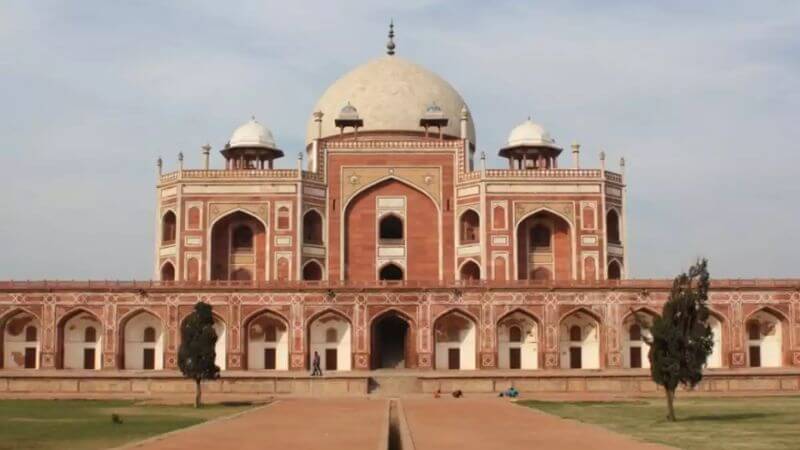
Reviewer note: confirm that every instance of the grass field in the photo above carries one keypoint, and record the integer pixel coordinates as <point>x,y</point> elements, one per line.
<point>703,423</point>
<point>87,424</point>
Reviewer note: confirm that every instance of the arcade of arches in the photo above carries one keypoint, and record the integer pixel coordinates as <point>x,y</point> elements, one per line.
<point>406,332</point>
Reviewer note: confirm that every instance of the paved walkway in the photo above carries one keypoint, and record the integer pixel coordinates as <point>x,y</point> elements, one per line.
<point>308,424</point>
<point>479,424</point>
<point>356,424</point>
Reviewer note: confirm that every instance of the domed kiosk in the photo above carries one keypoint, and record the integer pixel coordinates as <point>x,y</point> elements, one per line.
<point>530,146</point>
<point>251,146</point>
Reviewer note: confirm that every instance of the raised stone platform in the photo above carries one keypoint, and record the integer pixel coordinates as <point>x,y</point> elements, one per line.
<point>145,384</point>
<point>629,381</point>
<point>382,382</point>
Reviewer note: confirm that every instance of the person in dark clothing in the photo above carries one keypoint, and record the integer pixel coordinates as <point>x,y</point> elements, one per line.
<point>317,370</point>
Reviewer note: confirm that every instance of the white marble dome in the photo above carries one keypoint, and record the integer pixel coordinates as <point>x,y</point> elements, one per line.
<point>530,133</point>
<point>252,134</point>
<point>390,94</point>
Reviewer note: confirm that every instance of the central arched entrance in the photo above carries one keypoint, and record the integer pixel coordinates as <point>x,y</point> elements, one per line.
<point>391,342</point>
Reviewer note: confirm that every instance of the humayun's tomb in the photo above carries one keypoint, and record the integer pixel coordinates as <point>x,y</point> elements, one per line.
<point>390,245</point>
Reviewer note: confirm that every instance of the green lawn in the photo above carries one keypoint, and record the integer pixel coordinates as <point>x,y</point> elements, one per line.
<point>87,424</point>
<point>703,423</point>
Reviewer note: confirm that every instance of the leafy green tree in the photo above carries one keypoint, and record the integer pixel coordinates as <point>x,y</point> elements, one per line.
<point>196,355</point>
<point>681,338</point>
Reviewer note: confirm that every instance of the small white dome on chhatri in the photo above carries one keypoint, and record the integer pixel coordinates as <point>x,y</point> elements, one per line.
<point>530,134</point>
<point>348,112</point>
<point>252,135</point>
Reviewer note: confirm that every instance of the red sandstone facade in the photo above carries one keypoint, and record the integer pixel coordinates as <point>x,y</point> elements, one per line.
<point>387,247</point>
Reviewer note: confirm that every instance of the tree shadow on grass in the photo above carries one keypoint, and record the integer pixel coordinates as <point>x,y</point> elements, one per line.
<point>727,417</point>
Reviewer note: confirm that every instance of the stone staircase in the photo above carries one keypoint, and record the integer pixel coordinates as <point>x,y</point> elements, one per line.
<point>394,385</point>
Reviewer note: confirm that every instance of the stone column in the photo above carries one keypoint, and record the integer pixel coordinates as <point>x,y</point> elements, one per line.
<point>236,330</point>
<point>47,345</point>
<point>111,337</point>
<point>613,328</point>
<point>551,357</point>
<point>487,356</point>
<point>173,335</point>
<point>297,347</point>
<point>424,341</point>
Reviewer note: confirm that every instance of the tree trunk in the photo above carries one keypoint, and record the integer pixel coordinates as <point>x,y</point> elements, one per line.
<point>197,393</point>
<point>670,406</point>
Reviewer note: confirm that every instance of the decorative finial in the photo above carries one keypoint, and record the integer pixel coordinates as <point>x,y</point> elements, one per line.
<point>180,156</point>
<point>390,45</point>
<point>253,117</point>
<point>206,148</point>
<point>160,162</point>
<point>622,162</point>
<point>602,156</point>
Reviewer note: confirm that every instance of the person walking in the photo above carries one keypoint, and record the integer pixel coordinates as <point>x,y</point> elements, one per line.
<point>315,363</point>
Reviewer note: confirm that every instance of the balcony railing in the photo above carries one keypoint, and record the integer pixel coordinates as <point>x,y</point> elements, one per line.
<point>233,174</point>
<point>114,285</point>
<point>550,174</point>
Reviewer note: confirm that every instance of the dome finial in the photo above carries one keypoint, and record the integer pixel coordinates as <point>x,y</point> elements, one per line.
<point>390,45</point>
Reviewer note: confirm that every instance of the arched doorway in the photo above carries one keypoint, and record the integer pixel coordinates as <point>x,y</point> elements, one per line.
<point>579,340</point>
<point>167,272</point>
<point>312,271</point>
<point>80,335</point>
<point>612,227</point>
<point>518,341</point>
<point>455,338</point>
<point>469,226</point>
<point>764,340</point>
<point>143,342</point>
<point>267,342</point>
<point>221,347</point>
<point>312,228</point>
<point>390,272</point>
<point>714,360</point>
<point>470,271</point>
<point>238,243</point>
<point>168,228</point>
<point>544,247</point>
<point>392,343</point>
<point>614,270</point>
<point>635,334</point>
<point>20,344</point>
<point>394,218</point>
<point>330,336</point>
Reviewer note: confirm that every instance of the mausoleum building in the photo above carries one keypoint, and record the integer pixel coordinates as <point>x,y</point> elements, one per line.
<point>390,245</point>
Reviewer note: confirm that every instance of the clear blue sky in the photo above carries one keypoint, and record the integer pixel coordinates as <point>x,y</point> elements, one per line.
<point>702,98</point>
